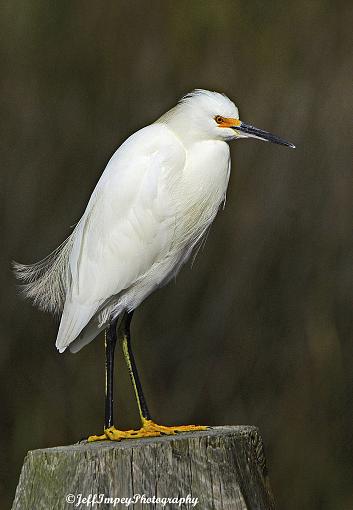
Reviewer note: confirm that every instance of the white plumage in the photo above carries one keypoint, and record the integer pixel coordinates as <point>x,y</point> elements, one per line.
<point>153,203</point>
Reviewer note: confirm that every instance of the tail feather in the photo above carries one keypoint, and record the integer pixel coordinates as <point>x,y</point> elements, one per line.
<point>46,282</point>
<point>88,334</point>
<point>74,318</point>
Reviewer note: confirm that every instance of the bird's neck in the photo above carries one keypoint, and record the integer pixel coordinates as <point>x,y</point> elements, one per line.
<point>187,132</point>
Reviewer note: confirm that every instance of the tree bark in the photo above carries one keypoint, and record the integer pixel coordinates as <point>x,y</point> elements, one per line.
<point>223,468</point>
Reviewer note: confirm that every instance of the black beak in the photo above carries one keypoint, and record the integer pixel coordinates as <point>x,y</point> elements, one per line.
<point>253,132</point>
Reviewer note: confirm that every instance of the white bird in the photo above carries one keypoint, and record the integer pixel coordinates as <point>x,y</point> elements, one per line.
<point>154,202</point>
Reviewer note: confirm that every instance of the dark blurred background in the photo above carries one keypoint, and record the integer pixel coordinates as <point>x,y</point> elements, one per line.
<point>259,330</point>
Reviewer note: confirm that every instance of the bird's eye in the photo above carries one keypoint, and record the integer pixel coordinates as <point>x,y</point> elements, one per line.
<point>218,119</point>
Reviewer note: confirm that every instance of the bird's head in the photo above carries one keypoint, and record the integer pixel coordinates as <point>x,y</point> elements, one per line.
<point>203,114</point>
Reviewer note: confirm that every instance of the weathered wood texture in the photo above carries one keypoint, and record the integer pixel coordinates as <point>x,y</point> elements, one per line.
<point>223,467</point>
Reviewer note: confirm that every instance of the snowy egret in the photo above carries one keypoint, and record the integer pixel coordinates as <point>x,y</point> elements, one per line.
<point>154,202</point>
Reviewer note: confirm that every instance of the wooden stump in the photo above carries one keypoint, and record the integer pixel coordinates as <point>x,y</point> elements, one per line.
<point>221,468</point>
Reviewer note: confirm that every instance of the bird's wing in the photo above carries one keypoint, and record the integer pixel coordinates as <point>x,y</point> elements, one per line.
<point>127,226</point>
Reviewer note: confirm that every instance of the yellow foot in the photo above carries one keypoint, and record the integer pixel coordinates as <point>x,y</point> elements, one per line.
<point>148,429</point>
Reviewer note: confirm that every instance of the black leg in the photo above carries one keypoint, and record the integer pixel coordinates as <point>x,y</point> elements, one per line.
<point>110,341</point>
<point>124,337</point>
